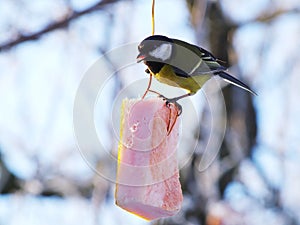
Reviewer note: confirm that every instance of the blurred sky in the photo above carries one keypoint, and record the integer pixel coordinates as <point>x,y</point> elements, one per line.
<point>39,80</point>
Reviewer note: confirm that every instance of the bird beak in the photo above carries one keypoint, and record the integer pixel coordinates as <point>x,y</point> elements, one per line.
<point>140,57</point>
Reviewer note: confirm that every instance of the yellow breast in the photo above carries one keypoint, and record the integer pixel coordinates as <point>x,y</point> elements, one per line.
<point>193,83</point>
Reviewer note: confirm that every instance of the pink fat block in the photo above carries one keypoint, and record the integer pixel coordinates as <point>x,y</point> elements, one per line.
<point>147,175</point>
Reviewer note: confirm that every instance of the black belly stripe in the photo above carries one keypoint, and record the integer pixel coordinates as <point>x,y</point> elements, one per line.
<point>155,67</point>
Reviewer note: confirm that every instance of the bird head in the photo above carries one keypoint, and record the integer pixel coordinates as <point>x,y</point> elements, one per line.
<point>155,48</point>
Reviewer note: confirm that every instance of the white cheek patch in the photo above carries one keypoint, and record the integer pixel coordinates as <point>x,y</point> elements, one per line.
<point>163,52</point>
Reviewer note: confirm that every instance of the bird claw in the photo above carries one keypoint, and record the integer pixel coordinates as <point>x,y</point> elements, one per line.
<point>172,104</point>
<point>170,101</point>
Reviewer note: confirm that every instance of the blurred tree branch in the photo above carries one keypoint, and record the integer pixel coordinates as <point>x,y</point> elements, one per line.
<point>72,15</point>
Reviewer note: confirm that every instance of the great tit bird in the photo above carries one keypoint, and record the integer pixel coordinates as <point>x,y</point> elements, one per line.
<point>180,64</point>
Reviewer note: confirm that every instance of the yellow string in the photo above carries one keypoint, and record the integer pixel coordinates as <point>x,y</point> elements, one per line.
<point>153,29</point>
<point>153,22</point>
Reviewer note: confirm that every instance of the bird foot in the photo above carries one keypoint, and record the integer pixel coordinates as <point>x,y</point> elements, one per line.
<point>170,102</point>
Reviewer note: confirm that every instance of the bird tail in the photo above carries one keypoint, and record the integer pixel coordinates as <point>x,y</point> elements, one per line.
<point>230,79</point>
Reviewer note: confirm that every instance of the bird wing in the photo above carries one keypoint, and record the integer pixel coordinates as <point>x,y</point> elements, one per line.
<point>191,60</point>
<point>199,61</point>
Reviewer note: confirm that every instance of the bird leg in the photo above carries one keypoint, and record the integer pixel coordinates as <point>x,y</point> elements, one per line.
<point>149,85</point>
<point>172,100</point>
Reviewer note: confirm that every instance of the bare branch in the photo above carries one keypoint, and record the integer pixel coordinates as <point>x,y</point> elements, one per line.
<point>54,25</point>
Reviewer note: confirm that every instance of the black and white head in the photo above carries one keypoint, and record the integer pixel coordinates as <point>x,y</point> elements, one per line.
<point>155,48</point>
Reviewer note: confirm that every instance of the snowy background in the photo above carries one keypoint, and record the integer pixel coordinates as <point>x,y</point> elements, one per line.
<point>44,178</point>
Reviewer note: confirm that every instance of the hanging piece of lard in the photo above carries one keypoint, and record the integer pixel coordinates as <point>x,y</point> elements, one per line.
<point>147,174</point>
